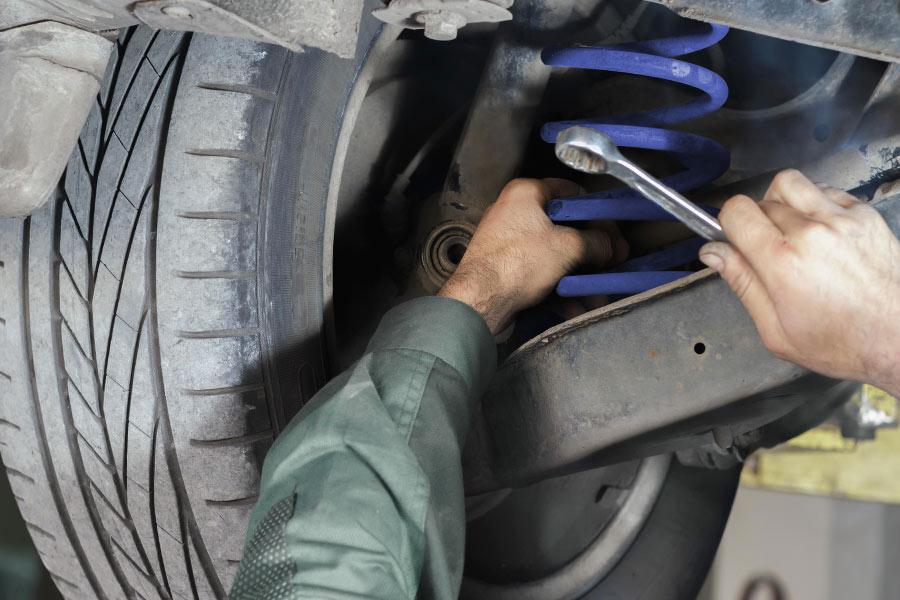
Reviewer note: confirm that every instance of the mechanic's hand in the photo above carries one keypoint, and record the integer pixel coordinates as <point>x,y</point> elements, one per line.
<point>518,255</point>
<point>819,272</point>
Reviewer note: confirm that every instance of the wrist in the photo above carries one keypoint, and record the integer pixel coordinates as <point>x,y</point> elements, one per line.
<point>885,372</point>
<point>494,306</point>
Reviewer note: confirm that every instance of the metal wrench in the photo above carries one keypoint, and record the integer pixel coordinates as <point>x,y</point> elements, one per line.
<point>590,151</point>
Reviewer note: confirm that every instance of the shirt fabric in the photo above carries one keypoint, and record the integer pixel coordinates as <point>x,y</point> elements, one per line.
<point>362,494</point>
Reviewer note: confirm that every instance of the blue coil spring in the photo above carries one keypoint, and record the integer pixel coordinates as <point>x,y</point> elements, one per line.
<point>704,159</point>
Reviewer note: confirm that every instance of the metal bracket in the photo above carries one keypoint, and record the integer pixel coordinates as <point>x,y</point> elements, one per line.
<point>331,26</point>
<point>872,29</point>
<point>50,75</point>
<point>653,373</point>
<point>441,18</point>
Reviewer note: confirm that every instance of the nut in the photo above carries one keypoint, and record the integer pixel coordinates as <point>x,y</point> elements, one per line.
<point>177,12</point>
<point>440,25</point>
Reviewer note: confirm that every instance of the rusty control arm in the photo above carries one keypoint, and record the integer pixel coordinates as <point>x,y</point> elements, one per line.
<point>639,377</point>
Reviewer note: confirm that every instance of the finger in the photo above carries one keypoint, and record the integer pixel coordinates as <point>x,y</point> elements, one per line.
<point>749,288</point>
<point>539,191</point>
<point>610,227</point>
<point>561,188</point>
<point>592,247</point>
<point>599,248</point>
<point>791,187</point>
<point>787,218</point>
<point>753,234</point>
<point>840,197</point>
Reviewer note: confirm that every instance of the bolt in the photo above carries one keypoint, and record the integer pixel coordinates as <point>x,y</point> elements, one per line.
<point>177,12</point>
<point>723,437</point>
<point>440,25</point>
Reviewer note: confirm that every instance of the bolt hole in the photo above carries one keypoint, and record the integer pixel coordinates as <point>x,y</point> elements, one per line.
<point>455,252</point>
<point>820,132</point>
<point>600,493</point>
<point>699,348</point>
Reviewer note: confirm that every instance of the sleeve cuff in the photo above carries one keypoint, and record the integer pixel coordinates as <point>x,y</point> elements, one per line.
<point>446,328</point>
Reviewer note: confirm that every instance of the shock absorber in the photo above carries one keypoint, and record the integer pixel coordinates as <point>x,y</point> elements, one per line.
<point>704,159</point>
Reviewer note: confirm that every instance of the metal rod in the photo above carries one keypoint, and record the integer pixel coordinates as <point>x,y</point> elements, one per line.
<point>590,151</point>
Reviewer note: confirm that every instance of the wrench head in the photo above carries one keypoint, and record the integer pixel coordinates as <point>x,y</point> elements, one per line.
<point>586,150</point>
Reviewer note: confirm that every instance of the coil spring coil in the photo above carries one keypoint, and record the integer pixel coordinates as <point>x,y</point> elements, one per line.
<point>704,159</point>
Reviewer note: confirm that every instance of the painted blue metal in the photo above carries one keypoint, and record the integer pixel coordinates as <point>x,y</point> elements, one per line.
<point>704,159</point>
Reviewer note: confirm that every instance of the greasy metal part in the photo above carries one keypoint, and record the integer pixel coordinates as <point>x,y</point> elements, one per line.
<point>870,157</point>
<point>589,151</point>
<point>444,248</point>
<point>807,127</point>
<point>49,77</point>
<point>733,442</point>
<point>565,400</point>
<point>862,148</point>
<point>871,30</point>
<point>581,574</point>
<point>502,114</point>
<point>442,18</point>
<point>500,119</point>
<point>330,25</point>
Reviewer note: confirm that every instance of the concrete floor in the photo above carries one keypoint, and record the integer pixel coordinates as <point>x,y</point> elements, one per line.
<point>815,548</point>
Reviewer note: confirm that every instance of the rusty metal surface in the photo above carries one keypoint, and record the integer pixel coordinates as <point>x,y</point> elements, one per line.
<point>442,18</point>
<point>494,138</point>
<point>866,156</point>
<point>502,114</point>
<point>49,77</point>
<point>651,371</point>
<point>871,29</point>
<point>294,24</point>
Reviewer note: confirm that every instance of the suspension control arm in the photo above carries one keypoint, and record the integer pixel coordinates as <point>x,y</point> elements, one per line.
<point>647,375</point>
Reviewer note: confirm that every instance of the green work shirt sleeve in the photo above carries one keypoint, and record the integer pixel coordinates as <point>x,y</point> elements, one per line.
<point>361,495</point>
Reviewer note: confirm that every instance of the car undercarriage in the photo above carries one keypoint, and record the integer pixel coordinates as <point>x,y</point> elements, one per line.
<point>290,186</point>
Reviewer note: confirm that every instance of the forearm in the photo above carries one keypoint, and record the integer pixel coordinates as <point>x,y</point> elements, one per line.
<point>363,461</point>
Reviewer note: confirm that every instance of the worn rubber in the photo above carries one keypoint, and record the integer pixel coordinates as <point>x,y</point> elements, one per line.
<point>161,317</point>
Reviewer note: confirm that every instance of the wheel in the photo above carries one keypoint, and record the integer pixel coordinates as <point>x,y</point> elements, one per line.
<point>162,317</point>
<point>166,313</point>
<point>557,539</point>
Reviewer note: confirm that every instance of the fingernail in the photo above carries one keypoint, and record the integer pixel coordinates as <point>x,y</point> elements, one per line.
<point>713,261</point>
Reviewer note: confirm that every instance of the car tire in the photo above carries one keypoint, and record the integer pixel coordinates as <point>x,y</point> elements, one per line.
<point>164,315</point>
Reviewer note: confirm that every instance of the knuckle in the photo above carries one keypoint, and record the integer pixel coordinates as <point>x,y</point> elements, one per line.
<point>777,346</point>
<point>816,231</point>
<point>736,203</point>
<point>864,214</point>
<point>520,186</point>
<point>739,279</point>
<point>848,222</point>
<point>566,235</point>
<point>572,242</point>
<point>786,179</point>
<point>784,259</point>
<point>733,208</point>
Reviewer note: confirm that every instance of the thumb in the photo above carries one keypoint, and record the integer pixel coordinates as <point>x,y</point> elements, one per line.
<point>746,284</point>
